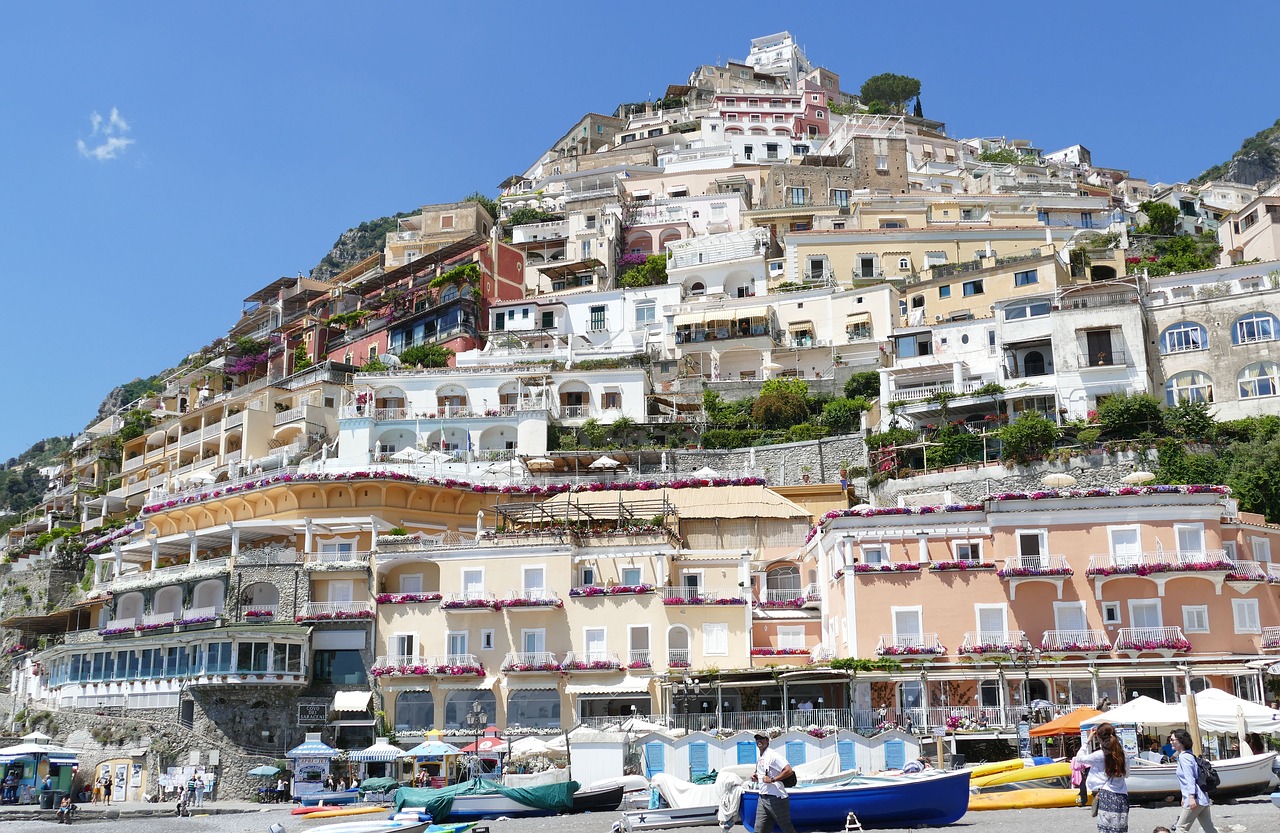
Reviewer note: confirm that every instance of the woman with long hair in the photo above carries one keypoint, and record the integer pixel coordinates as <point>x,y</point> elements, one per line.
<point>1108,769</point>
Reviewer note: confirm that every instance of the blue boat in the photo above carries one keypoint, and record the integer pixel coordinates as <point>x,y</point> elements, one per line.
<point>926,801</point>
<point>328,798</point>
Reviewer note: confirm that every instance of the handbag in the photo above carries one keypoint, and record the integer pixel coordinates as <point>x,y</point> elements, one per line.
<point>1093,804</point>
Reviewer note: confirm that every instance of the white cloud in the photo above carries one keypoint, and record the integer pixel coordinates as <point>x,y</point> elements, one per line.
<point>109,138</point>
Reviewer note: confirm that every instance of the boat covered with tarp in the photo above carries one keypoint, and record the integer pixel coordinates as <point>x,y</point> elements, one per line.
<point>480,798</point>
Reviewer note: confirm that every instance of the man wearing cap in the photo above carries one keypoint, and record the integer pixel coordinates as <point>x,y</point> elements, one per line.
<point>773,805</point>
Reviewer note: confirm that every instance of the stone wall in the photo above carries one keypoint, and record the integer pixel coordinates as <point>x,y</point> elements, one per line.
<point>780,465</point>
<point>292,583</point>
<point>972,484</point>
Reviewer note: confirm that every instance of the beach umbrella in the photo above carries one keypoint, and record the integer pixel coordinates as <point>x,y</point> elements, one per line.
<point>264,771</point>
<point>1055,481</point>
<point>605,462</point>
<point>408,455</point>
<point>1138,477</point>
<point>706,473</point>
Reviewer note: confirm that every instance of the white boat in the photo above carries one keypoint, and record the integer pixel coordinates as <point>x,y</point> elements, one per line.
<point>666,817</point>
<point>1241,777</point>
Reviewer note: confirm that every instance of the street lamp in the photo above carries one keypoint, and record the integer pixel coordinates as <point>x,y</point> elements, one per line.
<point>690,690</point>
<point>476,720</point>
<point>1026,658</point>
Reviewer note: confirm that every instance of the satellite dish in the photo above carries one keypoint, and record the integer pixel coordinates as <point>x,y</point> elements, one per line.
<point>390,360</point>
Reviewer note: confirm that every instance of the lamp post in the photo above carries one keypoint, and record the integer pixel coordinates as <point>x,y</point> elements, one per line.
<point>475,720</point>
<point>1026,658</point>
<point>690,690</point>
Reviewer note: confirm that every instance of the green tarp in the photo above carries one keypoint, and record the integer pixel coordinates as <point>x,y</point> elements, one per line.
<point>707,778</point>
<point>379,785</point>
<point>554,797</point>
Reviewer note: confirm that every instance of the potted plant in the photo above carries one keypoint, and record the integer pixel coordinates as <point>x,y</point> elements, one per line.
<point>806,471</point>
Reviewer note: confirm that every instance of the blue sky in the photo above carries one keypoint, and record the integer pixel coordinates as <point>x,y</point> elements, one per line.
<point>233,142</point>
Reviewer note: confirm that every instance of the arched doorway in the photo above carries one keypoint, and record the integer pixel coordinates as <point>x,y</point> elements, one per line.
<point>459,703</point>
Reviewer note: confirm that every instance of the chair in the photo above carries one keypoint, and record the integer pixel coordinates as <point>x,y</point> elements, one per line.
<point>957,762</point>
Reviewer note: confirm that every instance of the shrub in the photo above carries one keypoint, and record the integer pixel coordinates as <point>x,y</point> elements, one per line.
<point>894,436</point>
<point>865,385</point>
<point>1088,437</point>
<point>1029,437</point>
<point>1126,416</point>
<point>782,403</point>
<point>843,416</point>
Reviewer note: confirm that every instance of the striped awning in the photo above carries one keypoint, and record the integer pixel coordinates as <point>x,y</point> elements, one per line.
<point>380,751</point>
<point>312,749</point>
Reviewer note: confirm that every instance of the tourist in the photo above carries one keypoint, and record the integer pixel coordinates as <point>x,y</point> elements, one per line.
<point>1167,750</point>
<point>190,795</point>
<point>918,765</point>
<point>107,785</point>
<point>199,791</point>
<point>10,790</point>
<point>65,810</point>
<point>1108,769</point>
<point>773,804</point>
<point>1195,803</point>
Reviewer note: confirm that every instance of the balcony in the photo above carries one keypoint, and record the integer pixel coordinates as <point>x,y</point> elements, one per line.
<point>1087,642</point>
<point>521,662</point>
<point>991,645</point>
<point>701,596</point>
<point>470,601</point>
<point>170,575</point>
<point>195,617</point>
<point>677,657</point>
<point>539,599</point>
<point>1271,639</point>
<point>1162,567</point>
<point>591,661</point>
<point>905,646</point>
<point>1024,568</point>
<point>1163,641</point>
<point>332,611</point>
<point>261,614</point>
<point>775,598</point>
<point>925,392</point>
<point>450,665</point>
<point>347,559</point>
<point>641,659</point>
<point>1103,359</point>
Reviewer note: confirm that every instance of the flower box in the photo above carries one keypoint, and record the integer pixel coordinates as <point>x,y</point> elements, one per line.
<point>1164,567</point>
<point>1035,572</point>
<point>525,667</point>
<point>910,651</point>
<point>960,566</point>
<point>591,665</point>
<point>785,604</point>
<point>639,664</point>
<point>260,615</point>
<point>550,603</point>
<point>988,648</point>
<point>406,598</point>
<point>678,663</point>
<point>780,652</point>
<point>196,622</point>
<point>116,631</point>
<point>900,567</point>
<point>1078,648</point>
<point>470,604</point>
<point>341,614</point>
<point>1181,645</point>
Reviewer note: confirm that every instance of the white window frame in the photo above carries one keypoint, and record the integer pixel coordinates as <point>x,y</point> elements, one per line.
<point>525,633</point>
<point>622,574</point>
<point>1078,607</point>
<point>918,610</point>
<point>1136,604</point>
<point>587,575</point>
<point>466,642</point>
<point>955,550</point>
<point>465,583</point>
<point>1250,606</point>
<point>487,640</point>
<point>865,549</point>
<point>1259,546</point>
<point>1111,613</point>
<point>1003,609</point>
<point>526,569</point>
<point>709,648</point>
<point>1177,537</point>
<point>650,317</point>
<point>1195,618</point>
<point>1044,543</point>
<point>698,574</point>
<point>1111,543</point>
<point>411,589</point>
<point>1232,552</point>
<point>396,641</point>
<point>631,638</point>
<point>791,636</point>
<point>334,584</point>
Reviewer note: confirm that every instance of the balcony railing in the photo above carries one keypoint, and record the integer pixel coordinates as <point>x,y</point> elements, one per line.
<point>470,600</point>
<point>191,615</point>
<point>1160,561</point>
<point>677,657</point>
<point>926,391</point>
<point>809,596</point>
<point>910,645</point>
<point>1270,638</point>
<point>1139,640</point>
<point>336,610</point>
<point>1103,358</point>
<point>641,658</point>
<point>1036,566</point>
<point>1076,642</point>
<point>539,598</point>
<point>523,661</point>
<point>591,661</point>
<point>701,596</point>
<point>353,556</point>
<point>157,620</point>
<point>988,643</point>
<point>261,612</point>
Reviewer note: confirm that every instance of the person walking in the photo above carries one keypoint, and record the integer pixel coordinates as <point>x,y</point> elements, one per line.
<point>1108,769</point>
<point>1195,803</point>
<point>773,805</point>
<point>199,791</point>
<point>107,784</point>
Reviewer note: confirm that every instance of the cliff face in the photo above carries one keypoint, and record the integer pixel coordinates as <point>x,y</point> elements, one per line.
<point>356,244</point>
<point>1257,162</point>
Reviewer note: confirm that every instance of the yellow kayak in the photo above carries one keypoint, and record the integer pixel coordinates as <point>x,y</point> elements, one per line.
<point>983,770</point>
<point>1024,799</point>
<point>346,811</point>
<point>1031,773</point>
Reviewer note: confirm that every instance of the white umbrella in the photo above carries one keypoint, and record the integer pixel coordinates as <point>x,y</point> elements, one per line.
<point>436,456</point>
<point>1138,477</point>
<point>664,461</point>
<point>408,455</point>
<point>706,473</point>
<point>605,462</point>
<point>1054,481</point>
<point>509,467</point>
<point>540,463</point>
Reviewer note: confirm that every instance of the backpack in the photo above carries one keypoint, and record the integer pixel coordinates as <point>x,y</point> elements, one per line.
<point>1207,777</point>
<point>791,780</point>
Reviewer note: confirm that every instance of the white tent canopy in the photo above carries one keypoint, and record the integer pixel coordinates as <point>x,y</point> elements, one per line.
<point>1219,713</point>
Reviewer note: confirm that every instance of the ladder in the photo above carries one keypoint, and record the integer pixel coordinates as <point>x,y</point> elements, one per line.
<point>851,823</point>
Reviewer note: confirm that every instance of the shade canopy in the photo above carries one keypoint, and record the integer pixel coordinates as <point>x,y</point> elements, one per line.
<point>408,455</point>
<point>1067,724</point>
<point>1056,481</point>
<point>706,473</point>
<point>264,771</point>
<point>1218,712</point>
<point>433,749</point>
<point>605,462</point>
<point>36,750</point>
<point>1143,711</point>
<point>1137,477</point>
<point>488,744</point>
<point>382,750</point>
<point>312,748</point>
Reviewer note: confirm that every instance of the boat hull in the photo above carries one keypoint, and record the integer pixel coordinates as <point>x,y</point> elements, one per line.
<point>311,799</point>
<point>346,811</point>
<point>597,801</point>
<point>929,801</point>
<point>1024,799</point>
<point>1241,777</point>
<point>476,807</point>
<point>666,818</point>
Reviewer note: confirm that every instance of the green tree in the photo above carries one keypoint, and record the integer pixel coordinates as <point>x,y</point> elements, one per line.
<point>653,272</point>
<point>1162,218</point>
<point>894,91</point>
<point>301,361</point>
<point>489,205</point>
<point>1028,438</point>
<point>1251,474</point>
<point>1130,415</point>
<point>426,355</point>
<point>593,431</point>
<point>1190,421</point>
<point>782,403</point>
<point>136,423</point>
<point>865,385</point>
<point>622,430</point>
<point>844,416</point>
<point>525,216</point>
<point>1003,156</point>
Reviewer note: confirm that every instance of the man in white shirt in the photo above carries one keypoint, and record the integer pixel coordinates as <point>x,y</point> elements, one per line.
<point>773,806</point>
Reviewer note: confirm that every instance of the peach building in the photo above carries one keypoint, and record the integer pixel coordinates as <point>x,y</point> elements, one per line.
<point>1109,592</point>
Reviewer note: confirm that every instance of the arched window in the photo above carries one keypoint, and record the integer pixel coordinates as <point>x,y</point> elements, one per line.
<point>1033,363</point>
<point>783,577</point>
<point>449,293</point>
<point>458,703</point>
<point>537,709</point>
<point>1258,379</point>
<point>1254,327</point>
<point>415,710</point>
<point>1183,336</point>
<point>698,288</point>
<point>1188,386</point>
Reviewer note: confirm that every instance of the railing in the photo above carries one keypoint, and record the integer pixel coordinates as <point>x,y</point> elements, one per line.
<point>982,643</point>
<point>1270,638</point>
<point>1076,641</point>
<point>128,622</point>
<point>591,661</point>
<point>539,597</point>
<point>791,597</point>
<point>238,481</point>
<point>337,610</point>
<point>471,600</point>
<point>637,658</point>
<point>1171,561</point>
<point>265,613</point>
<point>575,411</point>
<point>132,463</point>
<point>174,573</point>
<point>234,420</point>
<point>1103,358</point>
<point>909,644</point>
<point>1106,299</point>
<point>208,612</point>
<point>358,556</point>
<point>290,415</point>
<point>700,595</point>
<point>926,391</point>
<point>1043,563</point>
<point>678,657</point>
<point>157,619</point>
<point>518,661</point>
<point>1151,639</point>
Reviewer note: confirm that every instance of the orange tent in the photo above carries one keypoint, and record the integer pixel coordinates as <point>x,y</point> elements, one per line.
<point>1067,724</point>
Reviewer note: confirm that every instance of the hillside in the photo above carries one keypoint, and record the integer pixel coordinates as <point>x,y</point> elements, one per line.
<point>1257,162</point>
<point>356,244</point>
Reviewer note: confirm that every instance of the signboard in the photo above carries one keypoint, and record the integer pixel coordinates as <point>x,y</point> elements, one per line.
<point>1129,740</point>
<point>1024,739</point>
<point>939,731</point>
<point>312,714</point>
